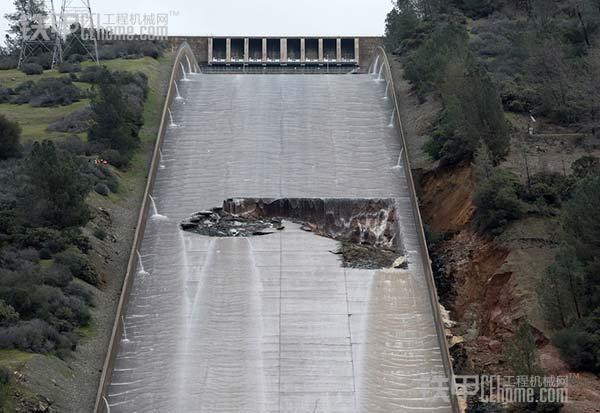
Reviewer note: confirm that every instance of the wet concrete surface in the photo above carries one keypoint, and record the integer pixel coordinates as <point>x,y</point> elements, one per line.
<point>274,323</point>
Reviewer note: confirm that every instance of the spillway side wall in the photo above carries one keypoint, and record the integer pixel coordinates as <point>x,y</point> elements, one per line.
<point>180,62</point>
<point>428,272</point>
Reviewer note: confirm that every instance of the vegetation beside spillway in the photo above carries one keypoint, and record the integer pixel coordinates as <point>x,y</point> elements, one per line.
<point>70,383</point>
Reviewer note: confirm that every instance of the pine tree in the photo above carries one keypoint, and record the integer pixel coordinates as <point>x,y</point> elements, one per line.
<point>27,16</point>
<point>484,165</point>
<point>521,352</point>
<point>55,192</point>
<point>113,121</point>
<point>10,133</point>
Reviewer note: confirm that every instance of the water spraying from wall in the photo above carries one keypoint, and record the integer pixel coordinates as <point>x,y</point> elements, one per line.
<point>106,404</point>
<point>399,163</point>
<point>161,164</point>
<point>183,73</point>
<point>141,270</point>
<point>380,75</point>
<point>190,68</point>
<point>178,97</point>
<point>125,339</point>
<point>172,123</point>
<point>374,67</point>
<point>155,215</point>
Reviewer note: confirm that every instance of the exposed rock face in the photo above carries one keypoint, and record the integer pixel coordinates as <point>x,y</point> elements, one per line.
<point>366,228</point>
<point>362,221</point>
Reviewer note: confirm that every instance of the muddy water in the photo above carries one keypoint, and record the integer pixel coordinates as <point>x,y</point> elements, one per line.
<point>274,323</point>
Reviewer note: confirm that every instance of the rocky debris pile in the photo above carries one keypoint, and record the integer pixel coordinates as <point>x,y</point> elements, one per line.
<point>218,223</point>
<point>370,257</point>
<point>37,404</point>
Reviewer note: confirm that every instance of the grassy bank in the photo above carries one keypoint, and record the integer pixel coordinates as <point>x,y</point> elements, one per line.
<point>70,384</point>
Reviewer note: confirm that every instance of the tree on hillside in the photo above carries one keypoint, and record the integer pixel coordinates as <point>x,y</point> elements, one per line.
<point>581,231</point>
<point>483,163</point>
<point>55,191</point>
<point>113,122</point>
<point>524,360</point>
<point>557,82</point>
<point>521,352</point>
<point>580,343</point>
<point>497,201</point>
<point>591,73</point>
<point>586,166</point>
<point>552,298</point>
<point>10,132</point>
<point>426,66</point>
<point>399,25</point>
<point>472,114</point>
<point>570,291</point>
<point>28,15</point>
<point>561,290</point>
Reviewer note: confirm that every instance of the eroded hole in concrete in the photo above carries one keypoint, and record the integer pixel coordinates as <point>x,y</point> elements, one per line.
<point>367,229</point>
<point>218,223</point>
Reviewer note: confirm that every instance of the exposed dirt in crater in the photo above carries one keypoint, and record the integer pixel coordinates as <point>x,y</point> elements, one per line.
<point>470,272</point>
<point>482,295</point>
<point>490,285</point>
<point>446,198</point>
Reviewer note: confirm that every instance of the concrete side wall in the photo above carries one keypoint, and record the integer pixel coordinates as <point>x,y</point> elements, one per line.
<point>368,48</point>
<point>199,46</point>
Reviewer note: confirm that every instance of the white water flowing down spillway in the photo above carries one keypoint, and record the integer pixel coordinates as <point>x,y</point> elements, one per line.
<point>274,323</point>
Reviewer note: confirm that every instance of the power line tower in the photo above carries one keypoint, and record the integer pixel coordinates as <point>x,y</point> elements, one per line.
<point>71,25</point>
<point>75,25</point>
